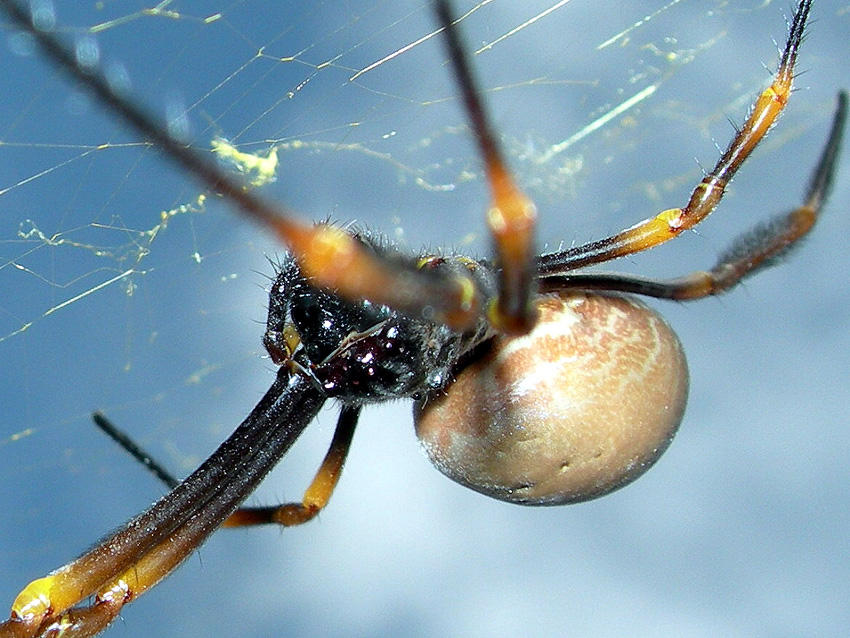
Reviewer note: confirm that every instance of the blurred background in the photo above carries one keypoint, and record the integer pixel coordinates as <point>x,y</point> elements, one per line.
<point>121,292</point>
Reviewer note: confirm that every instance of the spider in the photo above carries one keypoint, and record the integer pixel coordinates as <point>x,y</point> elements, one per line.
<point>353,319</point>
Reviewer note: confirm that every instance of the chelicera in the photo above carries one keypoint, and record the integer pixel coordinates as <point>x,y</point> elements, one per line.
<point>533,382</point>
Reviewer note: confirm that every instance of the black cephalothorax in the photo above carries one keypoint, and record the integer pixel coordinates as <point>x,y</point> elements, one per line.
<point>364,352</point>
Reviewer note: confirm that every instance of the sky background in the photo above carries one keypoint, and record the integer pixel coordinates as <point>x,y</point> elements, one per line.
<point>742,527</point>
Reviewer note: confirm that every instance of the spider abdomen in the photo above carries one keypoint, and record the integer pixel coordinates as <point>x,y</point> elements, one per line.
<point>582,405</point>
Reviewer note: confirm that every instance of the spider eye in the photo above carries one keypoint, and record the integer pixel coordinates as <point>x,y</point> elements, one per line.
<point>581,406</point>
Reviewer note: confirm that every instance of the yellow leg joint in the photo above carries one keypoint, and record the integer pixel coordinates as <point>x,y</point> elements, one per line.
<point>672,217</point>
<point>34,600</point>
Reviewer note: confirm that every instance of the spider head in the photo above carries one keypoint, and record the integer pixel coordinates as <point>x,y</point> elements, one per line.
<point>362,352</point>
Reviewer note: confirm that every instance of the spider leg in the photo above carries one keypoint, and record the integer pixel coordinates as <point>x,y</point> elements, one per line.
<point>151,568</point>
<point>319,492</point>
<point>147,548</point>
<point>707,194</point>
<point>512,215</point>
<point>758,248</point>
<point>315,498</point>
<point>331,257</point>
<point>135,450</point>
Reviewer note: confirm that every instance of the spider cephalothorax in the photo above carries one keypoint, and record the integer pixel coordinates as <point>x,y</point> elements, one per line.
<point>361,352</point>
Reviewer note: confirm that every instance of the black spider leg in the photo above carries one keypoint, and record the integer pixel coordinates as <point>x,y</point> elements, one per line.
<point>760,247</point>
<point>708,193</point>
<point>318,493</point>
<point>315,497</point>
<point>332,258</point>
<point>135,450</point>
<point>512,216</point>
<point>146,549</point>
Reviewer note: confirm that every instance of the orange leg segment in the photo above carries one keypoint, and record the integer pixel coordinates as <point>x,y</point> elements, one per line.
<point>758,248</point>
<point>316,497</point>
<point>146,549</point>
<point>707,194</point>
<point>334,259</point>
<point>318,494</point>
<point>512,215</point>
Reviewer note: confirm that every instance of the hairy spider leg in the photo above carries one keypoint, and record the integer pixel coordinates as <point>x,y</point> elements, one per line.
<point>319,492</point>
<point>170,552</point>
<point>512,215</point>
<point>758,248</point>
<point>147,548</point>
<point>335,260</point>
<point>708,193</point>
<point>331,257</point>
<point>135,450</point>
<point>316,496</point>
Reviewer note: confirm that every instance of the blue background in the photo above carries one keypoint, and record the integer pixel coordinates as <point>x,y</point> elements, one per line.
<point>742,527</point>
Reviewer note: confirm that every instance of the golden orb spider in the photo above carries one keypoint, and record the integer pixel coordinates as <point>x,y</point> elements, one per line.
<point>756,242</point>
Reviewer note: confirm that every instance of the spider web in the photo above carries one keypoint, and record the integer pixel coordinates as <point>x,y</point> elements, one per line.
<point>124,287</point>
